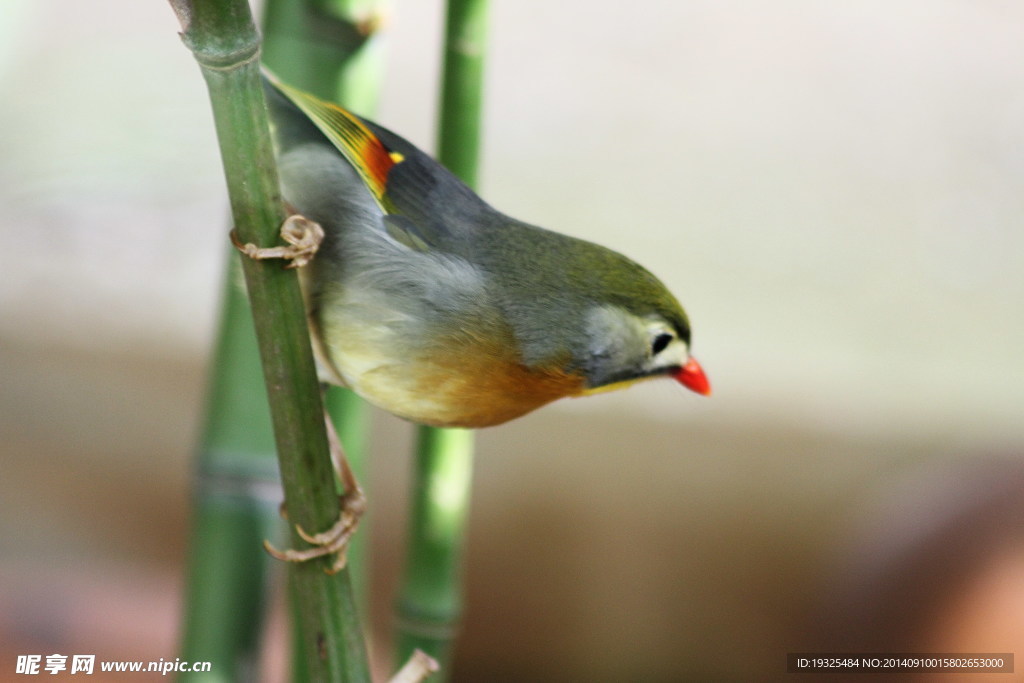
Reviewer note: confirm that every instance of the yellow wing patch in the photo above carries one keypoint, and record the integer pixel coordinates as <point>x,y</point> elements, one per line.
<point>367,154</point>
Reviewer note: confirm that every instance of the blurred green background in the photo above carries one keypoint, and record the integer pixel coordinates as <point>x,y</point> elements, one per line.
<point>834,190</point>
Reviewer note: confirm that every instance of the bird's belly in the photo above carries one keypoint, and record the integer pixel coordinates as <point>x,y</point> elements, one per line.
<point>458,382</point>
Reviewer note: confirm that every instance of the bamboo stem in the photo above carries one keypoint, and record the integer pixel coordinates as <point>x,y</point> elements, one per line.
<point>462,89</point>
<point>223,39</point>
<point>330,48</point>
<point>430,602</point>
<point>235,503</point>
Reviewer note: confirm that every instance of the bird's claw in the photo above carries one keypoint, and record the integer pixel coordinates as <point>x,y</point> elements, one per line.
<point>303,236</point>
<point>335,540</point>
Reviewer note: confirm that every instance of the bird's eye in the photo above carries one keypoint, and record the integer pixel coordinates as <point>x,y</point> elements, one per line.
<point>660,341</point>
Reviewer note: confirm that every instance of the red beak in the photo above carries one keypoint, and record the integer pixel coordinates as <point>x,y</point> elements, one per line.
<point>693,378</point>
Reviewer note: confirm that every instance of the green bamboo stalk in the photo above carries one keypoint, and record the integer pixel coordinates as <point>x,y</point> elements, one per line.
<point>430,600</point>
<point>223,39</point>
<point>330,48</point>
<point>462,88</point>
<point>234,509</point>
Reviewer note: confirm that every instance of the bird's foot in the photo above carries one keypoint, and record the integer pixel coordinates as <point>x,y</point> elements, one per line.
<point>302,235</point>
<point>334,541</point>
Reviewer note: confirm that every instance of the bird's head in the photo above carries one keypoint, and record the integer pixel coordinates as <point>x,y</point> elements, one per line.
<point>625,346</point>
<point>632,327</point>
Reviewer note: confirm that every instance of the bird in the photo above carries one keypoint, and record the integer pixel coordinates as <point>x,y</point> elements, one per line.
<point>436,307</point>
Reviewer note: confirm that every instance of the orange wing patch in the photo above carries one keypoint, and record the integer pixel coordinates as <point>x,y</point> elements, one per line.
<point>364,150</point>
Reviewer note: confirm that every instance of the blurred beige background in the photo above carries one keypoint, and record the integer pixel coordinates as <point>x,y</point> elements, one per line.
<point>834,190</point>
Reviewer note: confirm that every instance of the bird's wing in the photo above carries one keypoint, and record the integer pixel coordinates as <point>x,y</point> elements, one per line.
<point>364,150</point>
<point>402,179</point>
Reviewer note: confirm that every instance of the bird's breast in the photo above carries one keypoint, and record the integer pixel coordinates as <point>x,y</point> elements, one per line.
<point>459,379</point>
